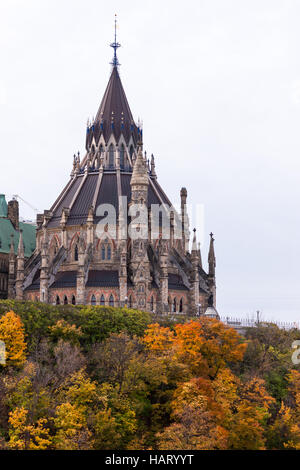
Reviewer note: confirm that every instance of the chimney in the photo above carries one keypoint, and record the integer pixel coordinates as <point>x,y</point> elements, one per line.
<point>13,213</point>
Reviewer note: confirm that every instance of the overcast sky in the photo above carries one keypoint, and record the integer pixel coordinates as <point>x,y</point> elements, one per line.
<point>217,84</point>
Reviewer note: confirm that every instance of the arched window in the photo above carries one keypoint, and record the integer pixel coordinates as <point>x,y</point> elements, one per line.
<point>102,300</point>
<point>57,300</point>
<point>106,250</point>
<point>181,306</point>
<point>65,300</point>
<point>93,300</point>
<point>111,156</point>
<point>111,301</point>
<point>76,253</point>
<point>122,156</point>
<point>174,305</point>
<point>152,304</point>
<point>73,300</point>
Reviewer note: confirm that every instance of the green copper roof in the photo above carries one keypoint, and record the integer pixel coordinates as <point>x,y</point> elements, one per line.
<point>6,229</point>
<point>3,206</point>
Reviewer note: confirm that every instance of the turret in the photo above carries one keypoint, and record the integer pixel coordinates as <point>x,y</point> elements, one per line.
<point>163,277</point>
<point>11,269</point>
<point>44,277</point>
<point>122,243</point>
<point>212,271</point>
<point>20,268</point>
<point>80,282</point>
<point>153,172</point>
<point>211,258</point>
<point>138,210</point>
<point>194,279</point>
<point>184,220</point>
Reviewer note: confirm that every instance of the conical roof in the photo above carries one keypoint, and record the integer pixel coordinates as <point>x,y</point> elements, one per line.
<point>114,114</point>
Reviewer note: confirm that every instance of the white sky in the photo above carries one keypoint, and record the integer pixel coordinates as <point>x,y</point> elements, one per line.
<point>217,84</point>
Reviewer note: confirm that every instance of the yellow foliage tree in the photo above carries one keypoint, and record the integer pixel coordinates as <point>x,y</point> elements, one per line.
<point>12,334</point>
<point>72,431</point>
<point>24,435</point>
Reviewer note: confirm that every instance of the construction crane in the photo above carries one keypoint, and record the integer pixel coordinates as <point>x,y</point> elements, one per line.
<point>16,196</point>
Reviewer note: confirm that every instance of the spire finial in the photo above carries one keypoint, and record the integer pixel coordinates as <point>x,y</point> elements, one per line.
<point>115,45</point>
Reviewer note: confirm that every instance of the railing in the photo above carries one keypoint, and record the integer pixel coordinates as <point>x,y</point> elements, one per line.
<point>251,323</point>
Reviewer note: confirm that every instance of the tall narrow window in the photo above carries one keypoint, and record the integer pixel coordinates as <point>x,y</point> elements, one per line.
<point>93,300</point>
<point>111,301</point>
<point>122,156</point>
<point>174,305</point>
<point>102,300</point>
<point>111,156</point>
<point>131,151</point>
<point>103,252</point>
<point>130,302</point>
<point>76,253</point>
<point>65,300</point>
<point>181,306</point>
<point>152,304</point>
<point>57,300</point>
<point>109,252</point>
<point>169,303</point>
<point>73,300</point>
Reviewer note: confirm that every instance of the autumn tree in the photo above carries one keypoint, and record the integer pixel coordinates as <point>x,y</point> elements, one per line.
<point>205,345</point>
<point>197,419</point>
<point>12,335</point>
<point>25,435</point>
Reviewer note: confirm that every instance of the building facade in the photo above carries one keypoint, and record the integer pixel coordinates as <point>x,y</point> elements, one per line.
<point>112,237</point>
<point>10,229</point>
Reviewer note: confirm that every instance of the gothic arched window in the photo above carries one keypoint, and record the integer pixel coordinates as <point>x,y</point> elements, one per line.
<point>181,306</point>
<point>174,305</point>
<point>152,304</point>
<point>93,300</point>
<point>102,300</point>
<point>111,301</point>
<point>122,156</point>
<point>111,156</point>
<point>65,300</point>
<point>76,253</point>
<point>57,300</point>
<point>106,250</point>
<point>73,300</point>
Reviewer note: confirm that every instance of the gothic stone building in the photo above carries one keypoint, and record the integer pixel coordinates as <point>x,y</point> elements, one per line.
<point>10,229</point>
<point>77,262</point>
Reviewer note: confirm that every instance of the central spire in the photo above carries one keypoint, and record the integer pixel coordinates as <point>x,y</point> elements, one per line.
<point>115,45</point>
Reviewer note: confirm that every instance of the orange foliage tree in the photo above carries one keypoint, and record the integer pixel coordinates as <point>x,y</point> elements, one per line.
<point>12,335</point>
